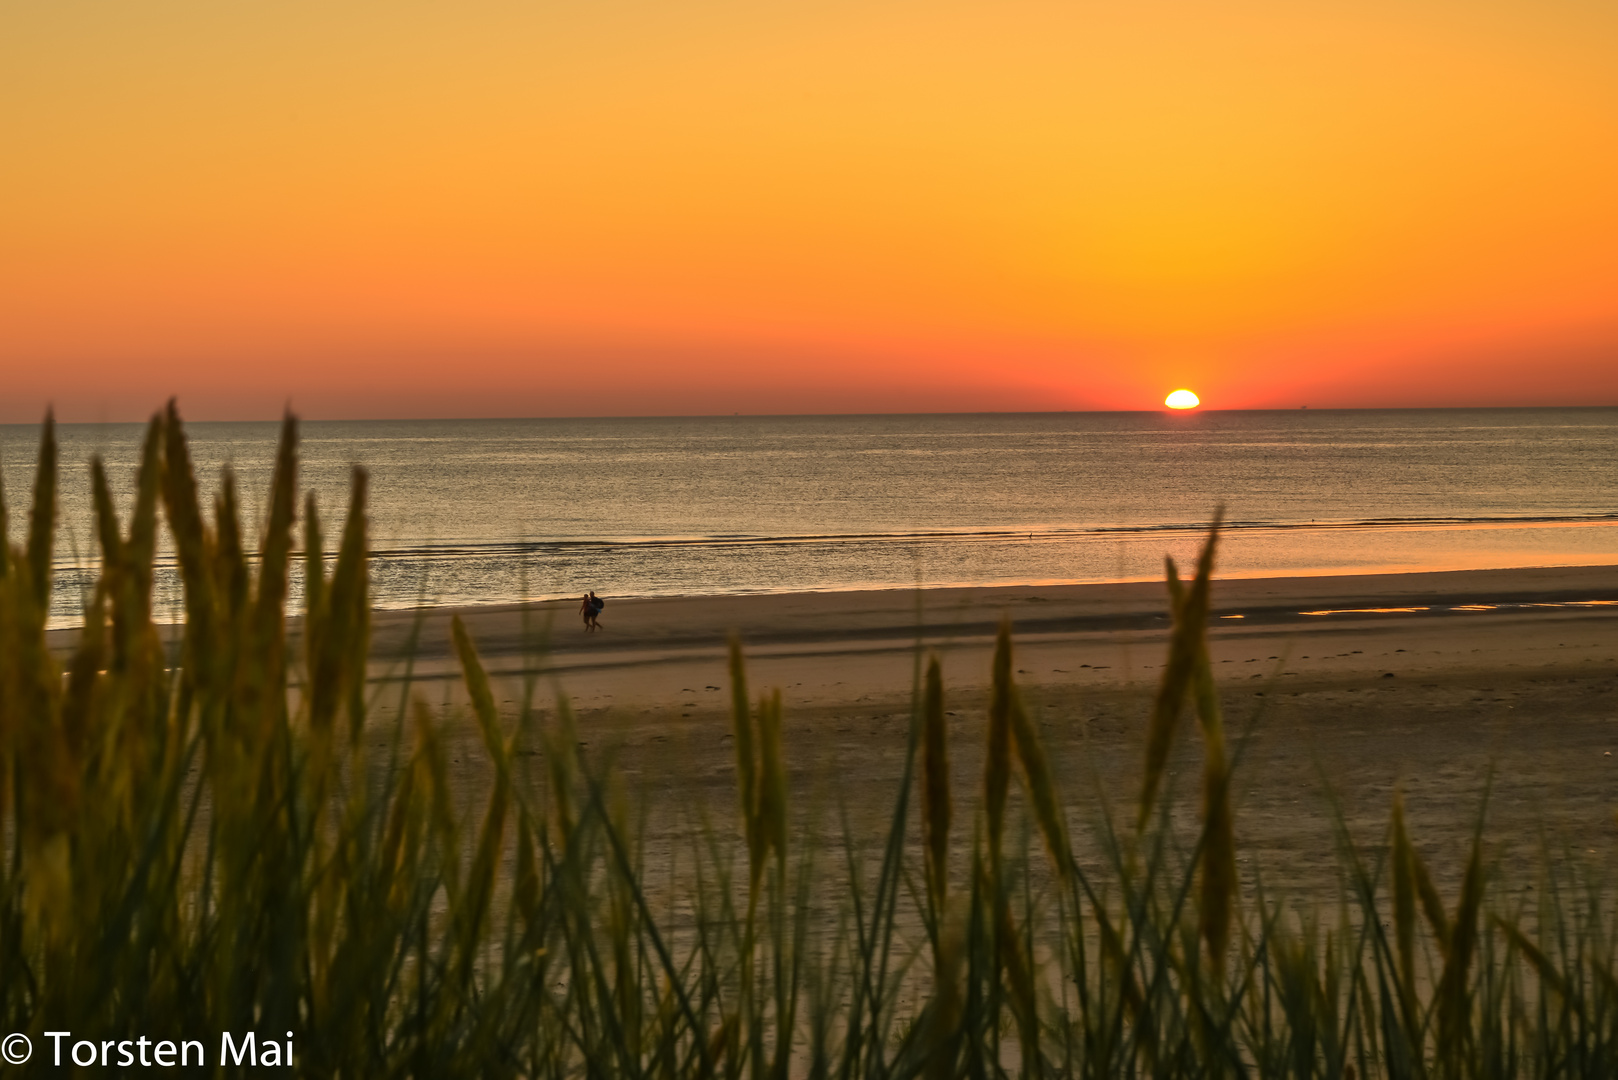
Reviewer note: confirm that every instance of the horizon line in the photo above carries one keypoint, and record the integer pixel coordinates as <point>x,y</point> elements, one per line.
<point>815,415</point>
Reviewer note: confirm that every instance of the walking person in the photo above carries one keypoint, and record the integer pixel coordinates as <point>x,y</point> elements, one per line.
<point>589,608</point>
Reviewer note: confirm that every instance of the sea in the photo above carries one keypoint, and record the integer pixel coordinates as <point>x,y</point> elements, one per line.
<point>470,512</point>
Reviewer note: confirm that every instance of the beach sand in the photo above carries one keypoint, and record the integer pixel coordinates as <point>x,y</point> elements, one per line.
<point>1516,695</point>
<point>1502,681</point>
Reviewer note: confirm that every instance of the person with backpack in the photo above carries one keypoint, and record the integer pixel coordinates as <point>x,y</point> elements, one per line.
<point>590,607</point>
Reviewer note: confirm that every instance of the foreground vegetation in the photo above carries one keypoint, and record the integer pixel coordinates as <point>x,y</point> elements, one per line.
<point>191,850</point>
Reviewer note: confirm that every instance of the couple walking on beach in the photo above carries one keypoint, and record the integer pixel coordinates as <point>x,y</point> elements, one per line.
<point>589,608</point>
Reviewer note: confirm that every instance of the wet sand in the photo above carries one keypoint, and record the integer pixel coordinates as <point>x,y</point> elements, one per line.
<point>1497,680</point>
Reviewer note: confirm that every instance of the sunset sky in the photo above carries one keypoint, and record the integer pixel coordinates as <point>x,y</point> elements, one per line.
<point>624,207</point>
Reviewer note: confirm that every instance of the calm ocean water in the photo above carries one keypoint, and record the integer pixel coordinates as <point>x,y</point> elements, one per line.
<point>491,511</point>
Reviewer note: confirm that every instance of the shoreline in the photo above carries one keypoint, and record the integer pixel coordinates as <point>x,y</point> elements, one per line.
<point>1156,579</point>
<point>870,618</point>
<point>636,629</point>
<point>1266,596</point>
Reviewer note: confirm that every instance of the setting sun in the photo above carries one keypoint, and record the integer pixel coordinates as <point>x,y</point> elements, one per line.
<point>1182,399</point>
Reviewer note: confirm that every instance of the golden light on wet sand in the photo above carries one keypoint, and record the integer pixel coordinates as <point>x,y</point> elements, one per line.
<point>1182,399</point>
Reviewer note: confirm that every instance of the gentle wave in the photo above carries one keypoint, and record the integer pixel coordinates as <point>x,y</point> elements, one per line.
<point>989,535</point>
<point>1036,534</point>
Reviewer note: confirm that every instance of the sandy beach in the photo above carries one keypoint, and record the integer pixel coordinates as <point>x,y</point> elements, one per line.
<point>1341,688</point>
<point>1338,689</point>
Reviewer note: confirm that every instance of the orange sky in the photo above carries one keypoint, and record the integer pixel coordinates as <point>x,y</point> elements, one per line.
<point>625,207</point>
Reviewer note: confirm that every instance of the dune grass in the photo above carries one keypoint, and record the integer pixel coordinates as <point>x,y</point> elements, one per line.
<point>190,850</point>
